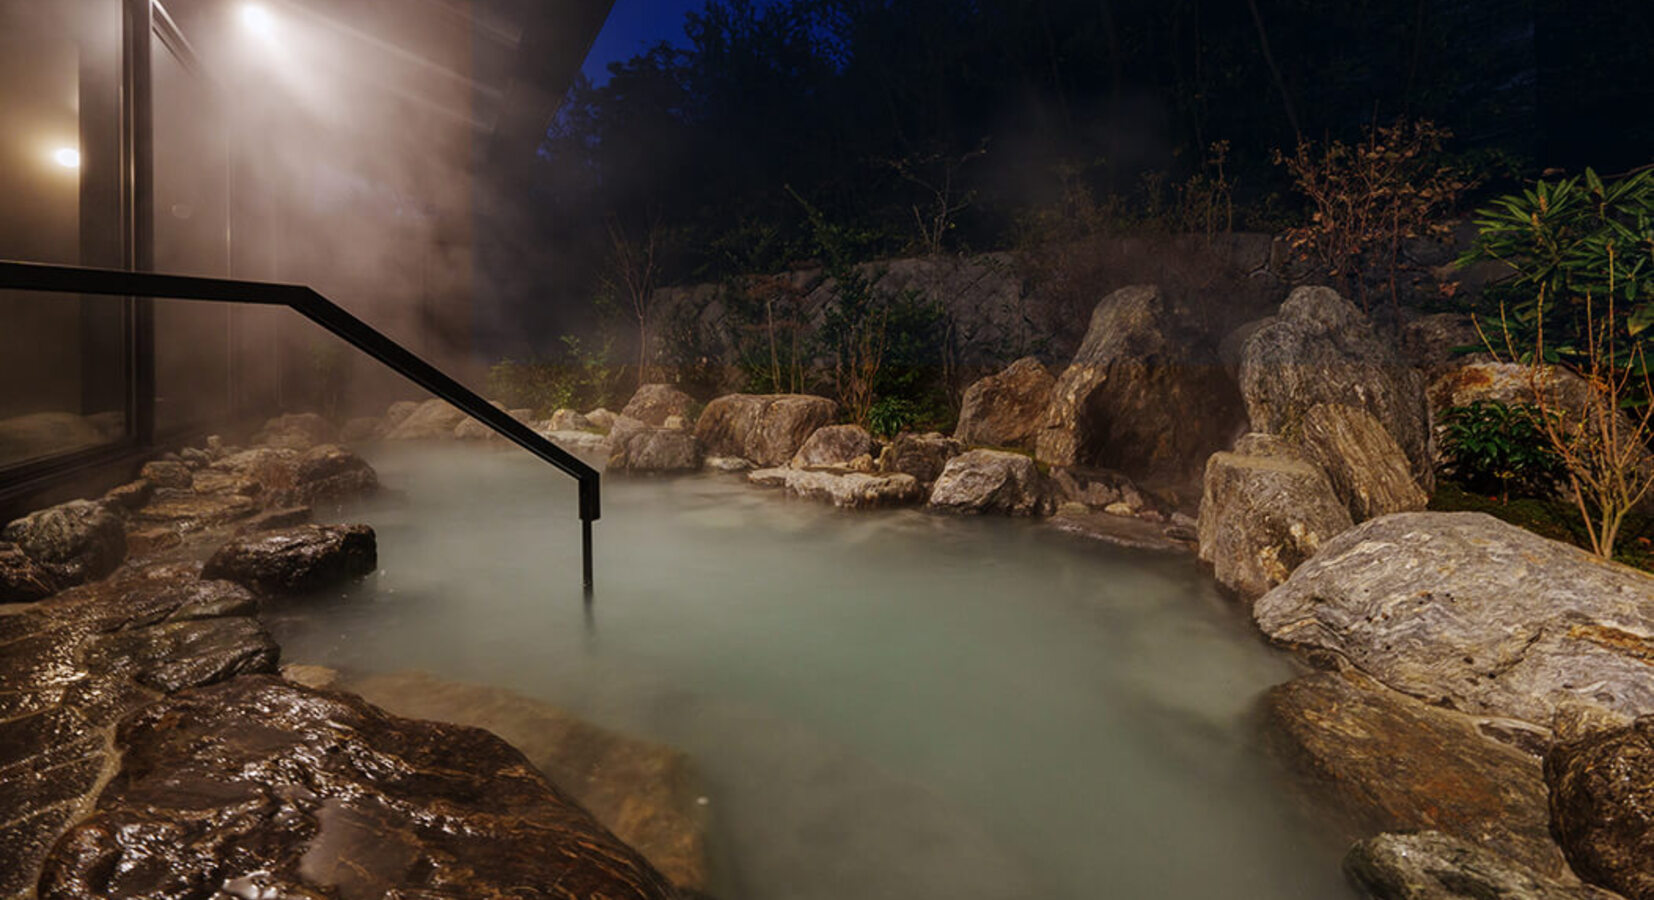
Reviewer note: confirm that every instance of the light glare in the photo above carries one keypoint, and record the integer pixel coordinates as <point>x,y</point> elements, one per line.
<point>67,157</point>
<point>258,20</point>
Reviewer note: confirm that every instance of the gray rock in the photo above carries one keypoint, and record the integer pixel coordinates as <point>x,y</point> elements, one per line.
<point>1263,516</point>
<point>765,428</point>
<point>836,447</point>
<point>364,428</point>
<point>1006,409</point>
<point>1430,865</point>
<point>430,420</point>
<point>590,447</point>
<point>1368,470</point>
<point>296,431</point>
<point>569,420</point>
<point>853,490</point>
<point>1321,349</point>
<point>728,465</point>
<point>1602,806</point>
<point>653,403</point>
<point>22,580</point>
<point>1466,611</point>
<point>296,560</point>
<point>770,478</point>
<point>653,450</point>
<point>601,419</point>
<point>472,430</point>
<point>74,542</point>
<point>1097,488</point>
<point>1144,395</point>
<point>398,412</point>
<point>923,456</point>
<point>326,473</point>
<point>992,481</point>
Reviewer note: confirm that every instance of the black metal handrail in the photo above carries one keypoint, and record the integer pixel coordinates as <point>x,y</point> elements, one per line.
<point>28,276</point>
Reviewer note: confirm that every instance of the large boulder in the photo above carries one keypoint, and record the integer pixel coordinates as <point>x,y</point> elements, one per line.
<point>1466,611</point>
<point>570,420</point>
<point>1602,806</point>
<point>764,428</point>
<point>1006,409</point>
<point>261,787</point>
<point>852,490</point>
<point>1145,394</point>
<point>430,420</point>
<point>74,542</point>
<point>1321,349</point>
<point>923,456</point>
<point>653,450</point>
<point>1375,760</point>
<point>296,560</point>
<point>991,481</point>
<point>327,472</point>
<point>836,447</point>
<point>654,403</point>
<point>296,431</point>
<point>1368,470</point>
<point>1430,865</point>
<point>1262,515</point>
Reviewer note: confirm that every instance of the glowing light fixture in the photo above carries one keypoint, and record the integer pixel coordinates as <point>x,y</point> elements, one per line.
<point>67,157</point>
<point>258,20</point>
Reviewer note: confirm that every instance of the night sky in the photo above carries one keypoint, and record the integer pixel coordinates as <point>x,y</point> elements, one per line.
<point>632,27</point>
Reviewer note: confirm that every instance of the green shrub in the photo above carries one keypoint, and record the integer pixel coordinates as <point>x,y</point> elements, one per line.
<point>889,416</point>
<point>577,378</point>
<point>1495,448</point>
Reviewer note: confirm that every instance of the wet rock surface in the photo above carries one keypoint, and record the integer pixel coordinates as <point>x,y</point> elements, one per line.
<point>1430,865</point>
<point>1006,409</point>
<point>1467,611</point>
<point>74,542</point>
<point>1376,760</point>
<point>1321,349</point>
<point>991,481</point>
<point>1262,516</point>
<point>652,404</point>
<point>260,787</point>
<point>646,793</point>
<point>652,449</point>
<point>22,580</point>
<point>764,428</point>
<point>298,559</point>
<point>73,665</point>
<point>1143,395</point>
<point>1602,806</point>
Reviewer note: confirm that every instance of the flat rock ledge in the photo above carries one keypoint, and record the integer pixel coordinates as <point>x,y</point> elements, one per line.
<point>1465,611</point>
<point>297,559</point>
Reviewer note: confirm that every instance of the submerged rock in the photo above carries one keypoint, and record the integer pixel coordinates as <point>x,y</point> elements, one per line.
<point>1467,611</point>
<point>1144,394</point>
<point>644,792</point>
<point>298,559</point>
<point>75,542</point>
<point>764,428</point>
<point>260,787</point>
<point>992,481</point>
<point>653,404</point>
<point>1321,349</point>
<point>1377,760</point>
<point>1602,806</point>
<point>1430,865</point>
<point>1006,409</point>
<point>1262,516</point>
<point>835,447</point>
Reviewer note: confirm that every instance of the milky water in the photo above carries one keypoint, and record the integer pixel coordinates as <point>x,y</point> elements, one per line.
<point>886,704</point>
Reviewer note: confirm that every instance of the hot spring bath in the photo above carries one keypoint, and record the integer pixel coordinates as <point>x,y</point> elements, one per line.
<point>885,704</point>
